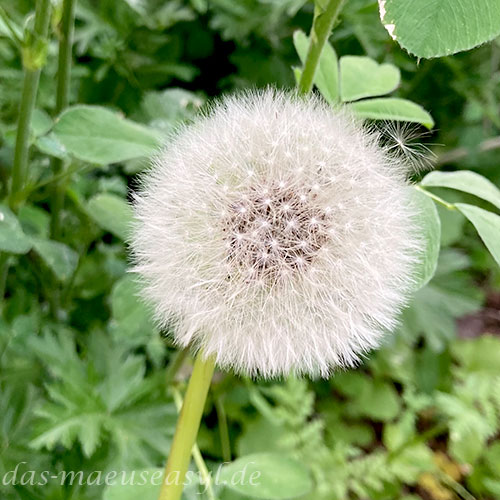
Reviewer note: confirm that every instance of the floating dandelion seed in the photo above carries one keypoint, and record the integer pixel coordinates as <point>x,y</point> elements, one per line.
<point>278,234</point>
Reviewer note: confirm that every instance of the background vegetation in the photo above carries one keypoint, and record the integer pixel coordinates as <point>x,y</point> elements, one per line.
<point>82,367</point>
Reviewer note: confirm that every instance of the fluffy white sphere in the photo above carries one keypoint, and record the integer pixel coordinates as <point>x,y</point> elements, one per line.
<point>277,235</point>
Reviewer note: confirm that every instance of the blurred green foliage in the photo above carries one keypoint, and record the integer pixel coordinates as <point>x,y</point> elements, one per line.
<point>82,366</point>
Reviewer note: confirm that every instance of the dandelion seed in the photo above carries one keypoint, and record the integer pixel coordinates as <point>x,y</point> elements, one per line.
<point>289,277</point>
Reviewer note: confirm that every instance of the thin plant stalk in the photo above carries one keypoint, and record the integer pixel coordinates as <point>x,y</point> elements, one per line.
<point>325,14</point>
<point>197,457</point>
<point>33,60</point>
<point>223,429</point>
<point>187,428</point>
<point>62,101</point>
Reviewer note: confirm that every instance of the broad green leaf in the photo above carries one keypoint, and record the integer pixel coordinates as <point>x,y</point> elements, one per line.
<point>144,484</point>
<point>435,28</point>
<point>41,122</point>
<point>132,319</point>
<point>392,108</point>
<point>60,258</point>
<point>271,476</point>
<point>50,145</point>
<point>12,237</point>
<point>363,77</point>
<point>487,225</point>
<point>327,73</point>
<point>97,135</point>
<point>380,402</point>
<point>111,213</point>
<point>467,181</point>
<point>431,238</point>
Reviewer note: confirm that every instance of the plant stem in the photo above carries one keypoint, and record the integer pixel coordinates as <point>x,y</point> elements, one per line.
<point>325,14</point>
<point>187,429</point>
<point>223,429</point>
<point>33,60</point>
<point>62,100</point>
<point>449,206</point>
<point>197,457</point>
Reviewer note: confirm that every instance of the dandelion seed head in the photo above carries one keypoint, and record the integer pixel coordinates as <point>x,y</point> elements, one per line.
<point>278,234</point>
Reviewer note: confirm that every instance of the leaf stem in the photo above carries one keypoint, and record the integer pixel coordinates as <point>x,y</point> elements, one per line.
<point>62,100</point>
<point>187,429</point>
<point>449,206</point>
<point>325,14</point>
<point>33,61</point>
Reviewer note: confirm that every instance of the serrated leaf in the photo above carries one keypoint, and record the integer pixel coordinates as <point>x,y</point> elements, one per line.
<point>97,135</point>
<point>361,77</point>
<point>60,258</point>
<point>430,235</point>
<point>12,237</point>
<point>271,476</point>
<point>435,28</point>
<point>392,108</point>
<point>111,213</point>
<point>326,77</point>
<point>487,225</point>
<point>466,181</point>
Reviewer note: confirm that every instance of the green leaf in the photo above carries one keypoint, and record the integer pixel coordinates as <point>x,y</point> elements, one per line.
<point>363,77</point>
<point>487,225</point>
<point>267,475</point>
<point>60,258</point>
<point>431,236</point>
<point>12,237</point>
<point>97,135</point>
<point>466,181</point>
<point>380,402</point>
<point>392,108</point>
<point>111,213</point>
<point>435,28</point>
<point>132,319</point>
<point>326,77</point>
<point>144,484</point>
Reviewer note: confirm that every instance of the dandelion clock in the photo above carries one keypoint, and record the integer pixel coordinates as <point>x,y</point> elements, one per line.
<point>275,235</point>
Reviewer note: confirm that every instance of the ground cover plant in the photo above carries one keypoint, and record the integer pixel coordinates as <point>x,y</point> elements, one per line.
<point>91,386</point>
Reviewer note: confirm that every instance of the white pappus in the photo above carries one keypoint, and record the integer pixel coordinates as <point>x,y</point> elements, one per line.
<point>277,235</point>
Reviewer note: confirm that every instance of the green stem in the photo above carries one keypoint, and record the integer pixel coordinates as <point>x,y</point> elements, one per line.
<point>33,60</point>
<point>187,429</point>
<point>325,14</point>
<point>197,457</point>
<point>62,100</point>
<point>436,198</point>
<point>223,429</point>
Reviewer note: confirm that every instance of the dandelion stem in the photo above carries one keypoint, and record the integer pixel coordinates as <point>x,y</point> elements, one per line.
<point>197,457</point>
<point>325,14</point>
<point>34,50</point>
<point>62,100</point>
<point>187,429</point>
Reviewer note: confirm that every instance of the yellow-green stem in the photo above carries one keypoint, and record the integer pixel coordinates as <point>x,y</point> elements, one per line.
<point>62,100</point>
<point>33,60</point>
<point>325,14</point>
<point>187,428</point>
